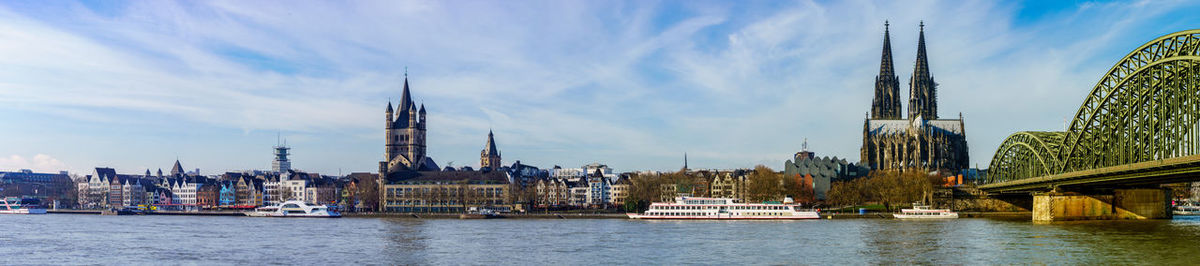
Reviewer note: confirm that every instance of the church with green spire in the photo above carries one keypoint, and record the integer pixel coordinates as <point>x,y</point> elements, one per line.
<point>920,141</point>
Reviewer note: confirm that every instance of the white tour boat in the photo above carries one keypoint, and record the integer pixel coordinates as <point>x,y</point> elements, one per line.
<point>294,208</point>
<point>689,208</point>
<point>13,205</point>
<point>924,212</point>
<point>1187,210</point>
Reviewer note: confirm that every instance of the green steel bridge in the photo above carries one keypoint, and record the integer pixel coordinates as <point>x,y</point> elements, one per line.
<point>1138,127</point>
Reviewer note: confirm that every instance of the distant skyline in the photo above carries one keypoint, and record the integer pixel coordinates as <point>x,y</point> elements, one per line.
<point>635,85</point>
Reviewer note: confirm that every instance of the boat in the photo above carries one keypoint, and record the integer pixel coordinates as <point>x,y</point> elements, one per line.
<point>122,211</point>
<point>1186,210</point>
<point>482,213</point>
<point>920,211</point>
<point>695,208</point>
<point>294,208</point>
<point>12,205</point>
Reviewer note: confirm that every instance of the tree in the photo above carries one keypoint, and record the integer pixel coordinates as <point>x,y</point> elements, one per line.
<point>368,192</point>
<point>643,189</point>
<point>846,192</point>
<point>764,185</point>
<point>795,187</point>
<point>284,193</point>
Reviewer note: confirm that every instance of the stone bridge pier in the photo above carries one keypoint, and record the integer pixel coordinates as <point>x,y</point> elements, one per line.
<point>1116,204</point>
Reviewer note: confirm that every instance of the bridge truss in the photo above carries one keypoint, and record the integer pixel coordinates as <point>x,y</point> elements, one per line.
<point>1146,108</point>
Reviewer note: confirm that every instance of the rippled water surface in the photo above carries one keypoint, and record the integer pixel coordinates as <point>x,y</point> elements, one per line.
<point>94,239</point>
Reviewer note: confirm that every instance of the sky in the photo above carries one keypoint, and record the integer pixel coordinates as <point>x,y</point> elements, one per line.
<point>631,84</point>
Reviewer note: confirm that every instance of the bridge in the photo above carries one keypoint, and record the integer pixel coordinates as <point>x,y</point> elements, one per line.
<point>1136,130</point>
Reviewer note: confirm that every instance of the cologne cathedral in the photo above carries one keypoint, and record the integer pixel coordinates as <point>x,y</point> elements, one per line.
<point>920,141</point>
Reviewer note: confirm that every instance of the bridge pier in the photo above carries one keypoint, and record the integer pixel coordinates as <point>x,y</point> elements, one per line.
<point>1120,204</point>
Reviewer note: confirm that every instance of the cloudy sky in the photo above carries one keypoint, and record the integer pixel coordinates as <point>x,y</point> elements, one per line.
<point>135,85</point>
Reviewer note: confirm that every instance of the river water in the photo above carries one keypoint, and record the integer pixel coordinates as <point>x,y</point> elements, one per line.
<point>95,239</point>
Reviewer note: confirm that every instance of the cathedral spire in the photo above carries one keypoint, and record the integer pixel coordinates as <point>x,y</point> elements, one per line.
<point>490,156</point>
<point>491,145</point>
<point>886,104</point>
<point>406,101</point>
<point>922,100</point>
<point>921,69</point>
<point>885,63</point>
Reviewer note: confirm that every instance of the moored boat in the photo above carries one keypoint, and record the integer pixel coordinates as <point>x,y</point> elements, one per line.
<point>919,211</point>
<point>482,213</point>
<point>294,208</point>
<point>12,205</point>
<point>1186,210</point>
<point>693,208</point>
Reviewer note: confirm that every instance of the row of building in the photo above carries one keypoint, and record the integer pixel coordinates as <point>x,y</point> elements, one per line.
<point>106,189</point>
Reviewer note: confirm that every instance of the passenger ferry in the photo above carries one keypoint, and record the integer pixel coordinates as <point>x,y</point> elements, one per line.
<point>924,212</point>
<point>12,205</point>
<point>1186,210</point>
<point>690,208</point>
<point>294,208</point>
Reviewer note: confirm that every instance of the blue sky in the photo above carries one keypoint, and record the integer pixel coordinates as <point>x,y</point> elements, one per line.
<point>135,85</point>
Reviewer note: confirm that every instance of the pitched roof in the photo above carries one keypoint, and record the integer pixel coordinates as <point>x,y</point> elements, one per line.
<point>177,169</point>
<point>490,150</point>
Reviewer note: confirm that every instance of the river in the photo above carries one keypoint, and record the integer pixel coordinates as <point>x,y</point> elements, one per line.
<point>95,239</point>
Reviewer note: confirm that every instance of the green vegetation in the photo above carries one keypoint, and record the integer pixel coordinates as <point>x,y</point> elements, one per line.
<point>890,189</point>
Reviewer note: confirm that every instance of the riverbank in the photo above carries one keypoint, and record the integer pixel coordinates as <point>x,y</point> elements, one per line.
<point>888,215</point>
<point>506,216</point>
<point>833,216</point>
<point>191,213</point>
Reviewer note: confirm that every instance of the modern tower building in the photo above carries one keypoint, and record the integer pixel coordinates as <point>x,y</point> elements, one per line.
<point>281,164</point>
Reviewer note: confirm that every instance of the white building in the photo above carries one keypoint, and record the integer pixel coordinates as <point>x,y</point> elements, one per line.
<point>270,193</point>
<point>296,187</point>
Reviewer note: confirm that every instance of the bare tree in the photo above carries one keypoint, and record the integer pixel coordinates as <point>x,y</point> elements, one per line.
<point>764,185</point>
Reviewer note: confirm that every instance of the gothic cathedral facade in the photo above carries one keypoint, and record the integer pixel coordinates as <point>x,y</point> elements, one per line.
<point>920,141</point>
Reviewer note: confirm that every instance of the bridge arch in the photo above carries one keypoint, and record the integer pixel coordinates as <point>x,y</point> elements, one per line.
<point>1147,107</point>
<point>1025,154</point>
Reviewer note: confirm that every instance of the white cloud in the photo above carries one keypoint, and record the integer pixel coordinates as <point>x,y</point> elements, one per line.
<point>39,163</point>
<point>634,85</point>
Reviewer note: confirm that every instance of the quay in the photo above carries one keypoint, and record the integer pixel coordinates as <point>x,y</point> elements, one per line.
<point>504,216</point>
<point>827,216</point>
<point>195,213</point>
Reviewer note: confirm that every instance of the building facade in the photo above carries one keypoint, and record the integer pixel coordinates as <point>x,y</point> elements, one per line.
<point>551,192</point>
<point>920,141</point>
<point>452,191</point>
<point>729,185</point>
<point>820,173</point>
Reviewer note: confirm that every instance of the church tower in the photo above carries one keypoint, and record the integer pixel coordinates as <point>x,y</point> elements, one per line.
<point>404,146</point>
<point>490,156</point>
<point>922,93</point>
<point>886,104</point>
<point>894,143</point>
